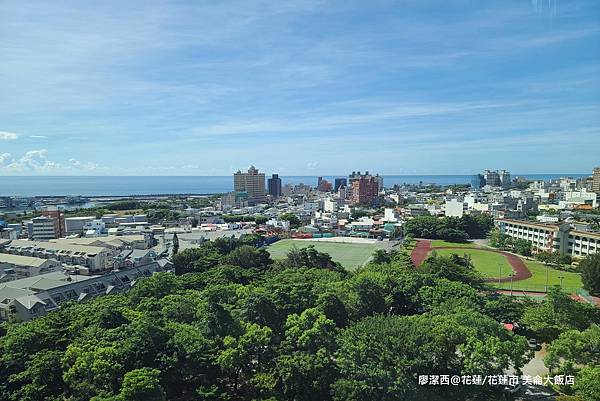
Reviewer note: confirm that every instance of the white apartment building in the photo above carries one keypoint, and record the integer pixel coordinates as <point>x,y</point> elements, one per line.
<point>579,198</point>
<point>583,243</point>
<point>43,228</point>
<point>558,237</point>
<point>454,208</point>
<point>391,215</point>
<point>74,225</point>
<point>94,228</point>
<point>544,237</point>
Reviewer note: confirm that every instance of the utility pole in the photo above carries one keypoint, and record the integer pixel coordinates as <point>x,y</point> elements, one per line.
<point>561,279</point>
<point>511,282</point>
<point>499,273</point>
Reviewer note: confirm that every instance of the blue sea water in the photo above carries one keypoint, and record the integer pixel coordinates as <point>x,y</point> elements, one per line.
<point>123,186</point>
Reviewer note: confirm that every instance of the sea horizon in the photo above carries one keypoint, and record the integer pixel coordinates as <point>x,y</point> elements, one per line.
<point>29,186</point>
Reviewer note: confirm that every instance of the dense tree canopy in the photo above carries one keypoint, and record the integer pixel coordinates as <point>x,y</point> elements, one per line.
<point>452,229</point>
<point>234,325</point>
<point>590,273</point>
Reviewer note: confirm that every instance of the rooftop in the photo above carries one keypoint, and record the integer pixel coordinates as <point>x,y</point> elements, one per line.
<point>21,260</point>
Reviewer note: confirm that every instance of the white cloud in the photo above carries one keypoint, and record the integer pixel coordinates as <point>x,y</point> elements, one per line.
<point>33,160</point>
<point>39,136</point>
<point>8,136</point>
<point>37,161</point>
<point>5,158</point>
<point>74,163</point>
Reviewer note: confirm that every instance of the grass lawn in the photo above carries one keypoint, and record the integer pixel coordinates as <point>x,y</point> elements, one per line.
<point>349,255</point>
<point>489,264</point>
<point>439,242</point>
<point>571,281</point>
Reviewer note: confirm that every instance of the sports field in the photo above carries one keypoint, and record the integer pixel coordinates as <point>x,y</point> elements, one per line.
<point>571,282</point>
<point>349,255</point>
<point>489,264</point>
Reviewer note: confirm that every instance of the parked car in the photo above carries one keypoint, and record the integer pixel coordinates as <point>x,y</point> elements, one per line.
<point>533,344</point>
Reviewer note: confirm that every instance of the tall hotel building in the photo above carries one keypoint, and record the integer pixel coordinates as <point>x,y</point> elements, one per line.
<point>365,188</point>
<point>252,183</point>
<point>274,186</point>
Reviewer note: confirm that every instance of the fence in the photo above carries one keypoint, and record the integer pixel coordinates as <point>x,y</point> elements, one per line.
<point>533,288</point>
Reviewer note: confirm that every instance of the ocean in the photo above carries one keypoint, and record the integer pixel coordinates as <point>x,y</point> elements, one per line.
<point>123,186</point>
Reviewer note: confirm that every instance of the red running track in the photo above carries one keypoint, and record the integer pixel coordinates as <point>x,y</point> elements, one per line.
<point>419,253</point>
<point>423,247</point>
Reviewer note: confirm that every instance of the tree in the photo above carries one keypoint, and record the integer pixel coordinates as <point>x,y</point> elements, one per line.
<point>175,244</point>
<point>260,219</point>
<point>142,385</point>
<point>311,258</point>
<point>380,357</point>
<point>244,356</point>
<point>248,257</point>
<point>590,273</point>
<point>522,247</point>
<point>498,239</point>
<point>198,259</point>
<point>380,256</point>
<point>300,329</point>
<point>556,314</point>
<point>587,385</point>
<point>453,267</point>
<point>292,218</point>
<point>305,368</point>
<point>447,228</point>
<point>576,353</point>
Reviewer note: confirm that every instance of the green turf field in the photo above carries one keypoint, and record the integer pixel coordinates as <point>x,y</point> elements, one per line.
<point>351,256</point>
<point>571,281</point>
<point>489,264</point>
<point>439,242</point>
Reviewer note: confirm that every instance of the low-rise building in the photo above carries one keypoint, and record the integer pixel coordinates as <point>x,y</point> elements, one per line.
<point>454,208</point>
<point>92,258</point>
<point>583,243</point>
<point>543,237</point>
<point>13,267</point>
<point>75,225</point>
<point>557,237</point>
<point>28,298</point>
<point>44,228</point>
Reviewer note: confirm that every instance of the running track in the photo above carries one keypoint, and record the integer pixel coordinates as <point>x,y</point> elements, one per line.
<point>423,247</point>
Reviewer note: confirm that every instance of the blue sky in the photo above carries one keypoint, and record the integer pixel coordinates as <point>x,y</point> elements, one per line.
<point>299,87</point>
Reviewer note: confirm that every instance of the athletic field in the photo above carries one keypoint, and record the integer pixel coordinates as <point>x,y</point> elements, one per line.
<point>349,255</point>
<point>489,264</point>
<point>571,282</point>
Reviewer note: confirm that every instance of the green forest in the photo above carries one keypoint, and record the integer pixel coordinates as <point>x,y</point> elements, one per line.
<point>232,324</point>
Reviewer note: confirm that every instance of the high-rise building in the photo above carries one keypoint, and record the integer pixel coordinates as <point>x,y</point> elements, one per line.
<point>58,218</point>
<point>492,178</point>
<point>339,182</point>
<point>365,189</point>
<point>596,180</point>
<point>274,186</point>
<point>253,183</point>
<point>504,178</point>
<point>379,179</point>
<point>477,181</point>
<point>324,185</point>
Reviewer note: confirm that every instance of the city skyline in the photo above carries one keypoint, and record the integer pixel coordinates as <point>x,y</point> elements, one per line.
<point>204,89</point>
